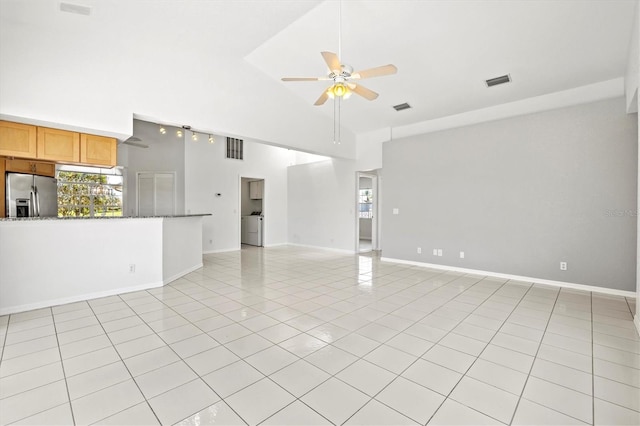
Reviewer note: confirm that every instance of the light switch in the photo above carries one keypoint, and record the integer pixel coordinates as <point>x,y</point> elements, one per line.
<point>396,211</point>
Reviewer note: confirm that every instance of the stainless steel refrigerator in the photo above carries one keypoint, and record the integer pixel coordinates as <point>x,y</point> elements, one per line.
<point>31,196</point>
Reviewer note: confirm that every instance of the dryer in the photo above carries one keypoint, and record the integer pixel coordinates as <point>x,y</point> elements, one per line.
<point>251,232</point>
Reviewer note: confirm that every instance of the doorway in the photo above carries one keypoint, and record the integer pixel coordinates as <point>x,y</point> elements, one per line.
<point>367,212</point>
<point>252,229</point>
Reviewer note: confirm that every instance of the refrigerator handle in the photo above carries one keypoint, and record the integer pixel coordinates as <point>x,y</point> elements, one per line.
<point>37,201</point>
<point>32,203</point>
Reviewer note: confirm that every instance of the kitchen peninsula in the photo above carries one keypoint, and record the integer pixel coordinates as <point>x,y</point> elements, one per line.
<point>51,261</point>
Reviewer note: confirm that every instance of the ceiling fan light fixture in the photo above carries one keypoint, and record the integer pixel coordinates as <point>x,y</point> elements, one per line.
<point>338,90</point>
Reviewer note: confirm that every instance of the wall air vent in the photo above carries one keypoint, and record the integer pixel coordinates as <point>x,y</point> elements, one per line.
<point>401,107</point>
<point>498,80</point>
<point>75,8</point>
<point>235,148</point>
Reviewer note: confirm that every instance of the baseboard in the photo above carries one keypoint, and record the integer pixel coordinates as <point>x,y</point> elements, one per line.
<point>181,274</point>
<point>584,287</point>
<point>323,248</point>
<point>274,245</point>
<point>78,298</point>
<point>221,250</point>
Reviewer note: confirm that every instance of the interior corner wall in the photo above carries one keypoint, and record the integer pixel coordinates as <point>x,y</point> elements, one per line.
<point>521,195</point>
<point>322,204</point>
<point>165,153</point>
<point>209,173</point>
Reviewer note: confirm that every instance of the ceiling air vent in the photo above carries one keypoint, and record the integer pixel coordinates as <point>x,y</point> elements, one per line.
<point>401,107</point>
<point>235,148</point>
<point>498,80</point>
<point>75,8</point>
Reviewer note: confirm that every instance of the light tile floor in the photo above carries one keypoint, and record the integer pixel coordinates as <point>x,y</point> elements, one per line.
<point>300,336</point>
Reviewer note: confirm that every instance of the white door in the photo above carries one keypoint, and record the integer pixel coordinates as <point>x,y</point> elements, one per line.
<point>156,194</point>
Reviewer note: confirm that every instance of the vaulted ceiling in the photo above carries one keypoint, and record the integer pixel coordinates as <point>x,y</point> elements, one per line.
<point>216,65</point>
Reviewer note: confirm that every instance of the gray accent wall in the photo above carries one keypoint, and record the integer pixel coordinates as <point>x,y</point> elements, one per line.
<point>520,195</point>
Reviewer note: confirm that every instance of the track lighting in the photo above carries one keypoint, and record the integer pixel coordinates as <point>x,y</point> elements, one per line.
<point>194,133</point>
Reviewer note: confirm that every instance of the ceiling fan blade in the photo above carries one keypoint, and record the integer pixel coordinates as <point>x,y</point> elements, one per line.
<point>301,78</point>
<point>332,61</point>
<point>376,72</point>
<point>364,92</point>
<point>322,99</point>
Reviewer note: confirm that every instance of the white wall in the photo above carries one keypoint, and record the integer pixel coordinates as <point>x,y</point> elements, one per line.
<point>164,154</point>
<point>208,172</point>
<point>181,248</point>
<point>322,204</point>
<point>76,260</point>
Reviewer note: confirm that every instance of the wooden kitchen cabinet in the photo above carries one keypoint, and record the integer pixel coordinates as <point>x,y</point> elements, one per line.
<point>32,167</point>
<point>98,150</point>
<point>18,140</point>
<point>58,145</point>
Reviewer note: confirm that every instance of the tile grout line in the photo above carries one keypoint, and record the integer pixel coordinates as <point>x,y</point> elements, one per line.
<point>128,371</point>
<point>535,358</point>
<point>358,358</point>
<point>435,343</point>
<point>531,285</point>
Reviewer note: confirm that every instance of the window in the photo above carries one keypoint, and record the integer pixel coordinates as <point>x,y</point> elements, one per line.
<point>366,203</point>
<point>86,192</point>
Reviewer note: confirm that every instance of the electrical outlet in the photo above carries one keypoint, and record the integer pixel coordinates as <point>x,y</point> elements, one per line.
<point>419,250</point>
<point>439,252</point>
<point>461,255</point>
<point>132,268</point>
<point>563,266</point>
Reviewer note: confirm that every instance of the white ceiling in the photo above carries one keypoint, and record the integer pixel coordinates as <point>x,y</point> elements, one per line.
<point>216,65</point>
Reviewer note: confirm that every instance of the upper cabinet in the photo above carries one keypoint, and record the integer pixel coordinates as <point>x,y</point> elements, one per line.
<point>97,150</point>
<point>256,189</point>
<point>17,140</point>
<point>62,146</point>
<point>58,145</point>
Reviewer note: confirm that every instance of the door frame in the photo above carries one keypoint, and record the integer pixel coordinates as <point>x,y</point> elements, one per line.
<point>264,208</point>
<point>374,209</point>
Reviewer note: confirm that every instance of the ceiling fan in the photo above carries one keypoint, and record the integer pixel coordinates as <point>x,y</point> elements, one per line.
<point>344,79</point>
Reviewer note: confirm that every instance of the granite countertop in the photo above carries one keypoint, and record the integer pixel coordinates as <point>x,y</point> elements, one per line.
<point>16,219</point>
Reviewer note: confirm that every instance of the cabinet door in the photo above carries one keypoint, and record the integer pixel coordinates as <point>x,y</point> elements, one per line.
<point>20,166</point>
<point>98,150</point>
<point>45,169</point>
<point>17,140</point>
<point>31,167</point>
<point>255,190</point>
<point>58,145</point>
